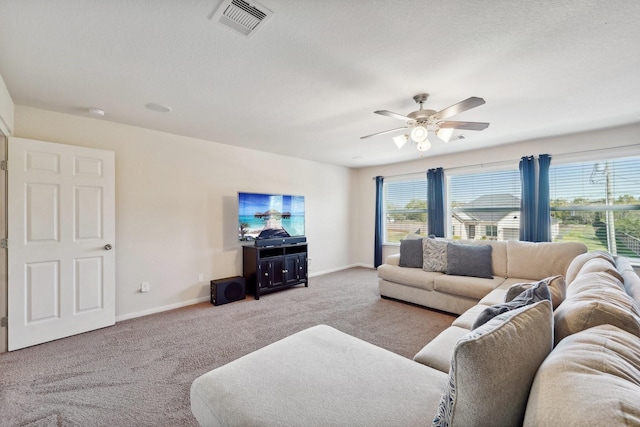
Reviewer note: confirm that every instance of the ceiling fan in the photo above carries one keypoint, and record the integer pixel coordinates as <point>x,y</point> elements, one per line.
<point>421,122</point>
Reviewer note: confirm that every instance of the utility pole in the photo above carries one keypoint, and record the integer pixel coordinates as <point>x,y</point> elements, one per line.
<point>609,201</point>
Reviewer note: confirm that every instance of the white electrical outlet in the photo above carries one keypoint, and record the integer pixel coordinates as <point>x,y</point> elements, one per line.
<point>201,277</point>
<point>145,287</point>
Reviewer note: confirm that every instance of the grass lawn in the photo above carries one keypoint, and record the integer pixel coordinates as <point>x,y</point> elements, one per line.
<point>584,233</point>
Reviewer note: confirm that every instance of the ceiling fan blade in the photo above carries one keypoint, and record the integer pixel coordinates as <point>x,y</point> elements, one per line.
<point>464,125</point>
<point>458,108</point>
<point>392,115</point>
<point>383,132</point>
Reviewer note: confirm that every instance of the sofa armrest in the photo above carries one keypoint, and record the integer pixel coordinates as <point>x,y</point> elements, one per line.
<point>393,259</point>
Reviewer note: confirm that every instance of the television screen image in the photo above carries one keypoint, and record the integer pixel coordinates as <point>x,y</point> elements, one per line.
<point>269,216</point>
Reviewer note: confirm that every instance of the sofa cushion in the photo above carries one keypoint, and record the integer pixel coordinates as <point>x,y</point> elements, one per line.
<point>600,265</point>
<point>594,307</point>
<point>556,285</point>
<point>469,260</point>
<point>593,281</point>
<point>411,253</point>
<point>600,366</point>
<point>535,261</point>
<point>492,368</point>
<point>318,377</point>
<point>538,292</point>
<point>434,255</point>
<point>497,295</point>
<point>413,277</point>
<point>470,287</point>
<point>466,319</point>
<point>579,261</point>
<point>437,353</point>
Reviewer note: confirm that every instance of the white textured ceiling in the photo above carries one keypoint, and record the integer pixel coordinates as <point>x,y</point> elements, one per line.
<point>307,83</point>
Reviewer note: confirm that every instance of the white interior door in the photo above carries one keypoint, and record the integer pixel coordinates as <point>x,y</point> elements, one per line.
<point>61,248</point>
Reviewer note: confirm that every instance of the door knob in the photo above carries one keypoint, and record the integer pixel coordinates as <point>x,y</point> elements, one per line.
<point>107,247</point>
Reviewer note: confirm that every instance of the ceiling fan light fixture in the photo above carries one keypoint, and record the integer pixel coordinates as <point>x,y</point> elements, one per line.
<point>400,140</point>
<point>419,134</point>
<point>424,145</point>
<point>445,134</point>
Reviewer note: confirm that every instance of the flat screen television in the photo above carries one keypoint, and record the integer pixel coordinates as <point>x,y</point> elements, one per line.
<point>269,216</point>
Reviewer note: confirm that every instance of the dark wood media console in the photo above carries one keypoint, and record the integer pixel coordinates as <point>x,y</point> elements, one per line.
<point>272,268</point>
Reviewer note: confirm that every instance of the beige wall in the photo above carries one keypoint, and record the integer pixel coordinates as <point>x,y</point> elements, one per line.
<point>176,205</point>
<point>6,110</point>
<point>588,143</point>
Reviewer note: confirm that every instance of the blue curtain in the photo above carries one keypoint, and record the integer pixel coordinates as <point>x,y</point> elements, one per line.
<point>377,252</point>
<point>435,202</point>
<point>528,201</point>
<point>543,222</point>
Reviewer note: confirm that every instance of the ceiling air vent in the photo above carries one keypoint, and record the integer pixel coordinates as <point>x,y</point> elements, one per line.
<point>242,16</point>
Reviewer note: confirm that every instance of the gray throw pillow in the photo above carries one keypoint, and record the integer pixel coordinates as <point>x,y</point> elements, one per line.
<point>434,255</point>
<point>493,367</point>
<point>538,292</point>
<point>557,289</point>
<point>469,260</point>
<point>411,253</point>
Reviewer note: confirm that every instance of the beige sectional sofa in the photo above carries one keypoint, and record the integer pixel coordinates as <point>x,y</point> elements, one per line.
<point>508,371</point>
<point>511,262</point>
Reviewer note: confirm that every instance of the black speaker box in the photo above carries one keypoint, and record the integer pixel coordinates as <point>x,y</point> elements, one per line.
<point>227,290</point>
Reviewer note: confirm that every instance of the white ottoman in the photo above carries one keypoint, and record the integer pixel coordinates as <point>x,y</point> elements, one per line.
<point>318,377</point>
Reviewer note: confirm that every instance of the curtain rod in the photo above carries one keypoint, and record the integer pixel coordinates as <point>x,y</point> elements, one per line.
<point>506,162</point>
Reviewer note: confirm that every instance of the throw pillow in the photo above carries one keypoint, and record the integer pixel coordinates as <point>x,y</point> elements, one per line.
<point>538,292</point>
<point>469,260</point>
<point>492,368</point>
<point>411,253</point>
<point>556,284</point>
<point>434,255</point>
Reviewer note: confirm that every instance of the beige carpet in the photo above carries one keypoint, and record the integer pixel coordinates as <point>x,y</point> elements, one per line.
<point>138,372</point>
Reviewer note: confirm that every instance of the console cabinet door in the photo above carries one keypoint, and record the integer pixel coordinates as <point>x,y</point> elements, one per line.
<point>278,271</point>
<point>291,263</point>
<point>270,272</point>
<point>264,277</point>
<point>302,267</point>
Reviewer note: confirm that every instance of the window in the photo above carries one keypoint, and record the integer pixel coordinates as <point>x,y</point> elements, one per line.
<point>597,203</point>
<point>485,205</point>
<point>405,204</point>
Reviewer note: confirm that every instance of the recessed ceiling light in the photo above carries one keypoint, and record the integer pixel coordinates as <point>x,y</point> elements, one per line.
<point>96,112</point>
<point>158,108</point>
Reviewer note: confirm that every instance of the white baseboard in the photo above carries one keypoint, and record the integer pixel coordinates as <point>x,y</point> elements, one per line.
<point>161,309</point>
<point>333,270</point>
<point>207,298</point>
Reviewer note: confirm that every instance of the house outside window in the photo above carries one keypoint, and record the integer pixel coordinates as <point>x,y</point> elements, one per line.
<point>597,203</point>
<point>485,206</point>
<point>405,207</point>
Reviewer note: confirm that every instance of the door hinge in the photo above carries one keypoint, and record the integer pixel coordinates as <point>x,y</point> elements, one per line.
<point>4,322</point>
<point>4,243</point>
<point>3,165</point>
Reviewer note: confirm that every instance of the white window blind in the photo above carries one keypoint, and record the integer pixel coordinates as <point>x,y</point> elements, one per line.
<point>405,204</point>
<point>597,203</point>
<point>485,206</point>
